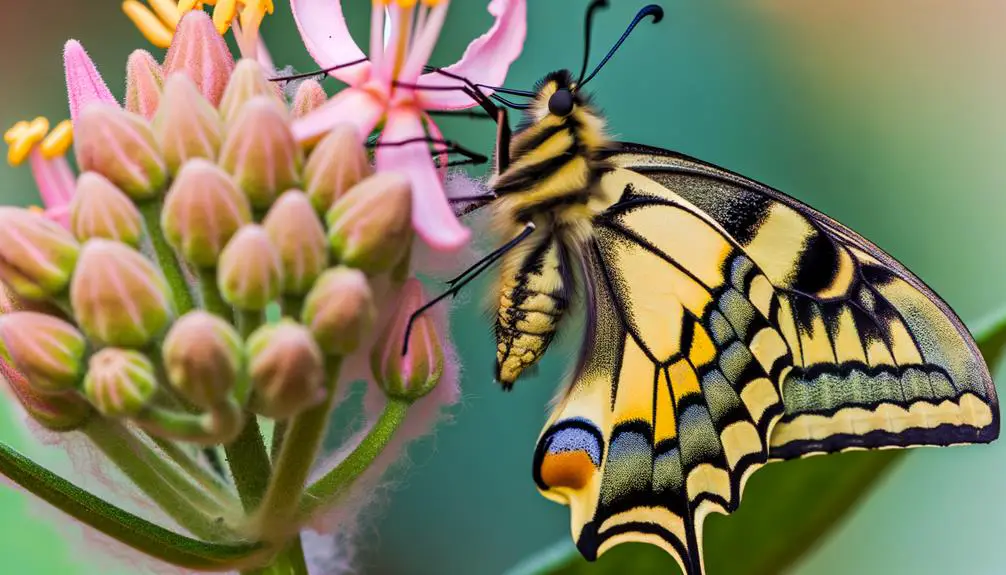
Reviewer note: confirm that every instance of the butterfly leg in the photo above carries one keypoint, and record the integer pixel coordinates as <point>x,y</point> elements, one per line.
<point>466,277</point>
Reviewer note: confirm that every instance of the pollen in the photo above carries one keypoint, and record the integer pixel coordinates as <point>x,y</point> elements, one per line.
<point>22,138</point>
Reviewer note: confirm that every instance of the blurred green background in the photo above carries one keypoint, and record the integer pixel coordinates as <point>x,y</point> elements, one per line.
<point>886,114</point>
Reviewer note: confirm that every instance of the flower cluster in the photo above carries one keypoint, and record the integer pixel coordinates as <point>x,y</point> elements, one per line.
<point>222,256</point>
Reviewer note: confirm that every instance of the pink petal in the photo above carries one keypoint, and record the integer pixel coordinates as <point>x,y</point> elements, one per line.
<point>436,134</point>
<point>486,60</point>
<point>55,182</point>
<point>432,216</point>
<point>426,36</point>
<point>326,36</point>
<point>83,81</point>
<point>357,107</point>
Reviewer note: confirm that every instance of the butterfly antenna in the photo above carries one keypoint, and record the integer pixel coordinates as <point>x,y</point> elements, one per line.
<point>320,72</point>
<point>588,27</point>
<point>652,10</point>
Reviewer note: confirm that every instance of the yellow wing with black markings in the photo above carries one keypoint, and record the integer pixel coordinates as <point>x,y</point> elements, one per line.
<point>733,326</point>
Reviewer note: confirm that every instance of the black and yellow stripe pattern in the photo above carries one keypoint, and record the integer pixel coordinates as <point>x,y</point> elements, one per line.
<point>729,326</point>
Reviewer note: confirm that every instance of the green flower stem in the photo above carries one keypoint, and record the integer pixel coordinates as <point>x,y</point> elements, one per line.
<point>172,270</point>
<point>163,483</point>
<point>249,321</point>
<point>290,562</point>
<point>218,426</point>
<point>212,300</point>
<point>136,532</point>
<point>278,433</point>
<point>249,464</point>
<point>200,474</point>
<point>301,443</point>
<point>334,484</point>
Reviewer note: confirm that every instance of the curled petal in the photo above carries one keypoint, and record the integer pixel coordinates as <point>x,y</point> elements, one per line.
<point>326,36</point>
<point>83,81</point>
<point>55,181</point>
<point>432,216</point>
<point>486,60</point>
<point>356,107</point>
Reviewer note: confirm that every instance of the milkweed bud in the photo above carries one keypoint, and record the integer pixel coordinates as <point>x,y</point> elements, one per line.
<point>261,154</point>
<point>416,373</point>
<point>46,350</point>
<point>101,210</point>
<point>337,163</point>
<point>201,53</point>
<point>186,125</point>
<point>247,83</point>
<point>119,382</point>
<point>144,83</point>
<point>203,357</point>
<point>287,370</point>
<point>340,311</point>
<point>119,298</point>
<point>202,212</point>
<point>370,228</point>
<point>120,146</point>
<point>37,256</point>
<point>300,240</point>
<point>310,96</point>
<point>250,274</point>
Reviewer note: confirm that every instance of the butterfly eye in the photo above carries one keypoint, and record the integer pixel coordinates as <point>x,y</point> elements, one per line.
<point>561,103</point>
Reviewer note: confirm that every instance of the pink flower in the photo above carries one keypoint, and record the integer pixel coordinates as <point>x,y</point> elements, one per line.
<point>383,88</point>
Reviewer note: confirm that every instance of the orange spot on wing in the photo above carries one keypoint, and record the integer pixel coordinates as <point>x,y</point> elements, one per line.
<point>571,469</point>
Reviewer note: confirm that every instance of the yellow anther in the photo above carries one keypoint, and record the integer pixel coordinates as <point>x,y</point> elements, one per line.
<point>15,131</point>
<point>36,210</point>
<point>153,28</point>
<point>58,141</point>
<point>24,136</point>
<point>168,11</point>
<point>224,12</point>
<point>406,3</point>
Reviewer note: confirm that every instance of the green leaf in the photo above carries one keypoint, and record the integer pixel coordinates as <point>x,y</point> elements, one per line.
<point>787,509</point>
<point>121,525</point>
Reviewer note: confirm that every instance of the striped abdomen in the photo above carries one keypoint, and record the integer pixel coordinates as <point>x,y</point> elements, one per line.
<point>532,301</point>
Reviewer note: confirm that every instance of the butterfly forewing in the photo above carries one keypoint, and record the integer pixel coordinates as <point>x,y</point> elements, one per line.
<point>735,326</point>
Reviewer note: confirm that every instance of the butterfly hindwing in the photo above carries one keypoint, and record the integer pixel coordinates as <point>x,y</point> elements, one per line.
<point>734,326</point>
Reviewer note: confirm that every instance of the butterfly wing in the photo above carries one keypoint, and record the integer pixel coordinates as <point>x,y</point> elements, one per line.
<point>734,326</point>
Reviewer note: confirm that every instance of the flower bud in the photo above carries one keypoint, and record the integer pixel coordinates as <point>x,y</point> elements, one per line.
<point>144,82</point>
<point>37,256</point>
<point>261,153</point>
<point>247,83</point>
<point>370,228</point>
<point>120,146</point>
<point>203,356</point>
<point>287,370</point>
<point>54,411</point>
<point>310,96</point>
<point>186,125</point>
<point>200,52</point>
<point>299,237</point>
<point>250,274</point>
<point>202,212</point>
<point>337,163</point>
<point>340,311</point>
<point>119,382</point>
<point>48,351</point>
<point>119,298</point>
<point>414,374</point>
<point>101,210</point>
